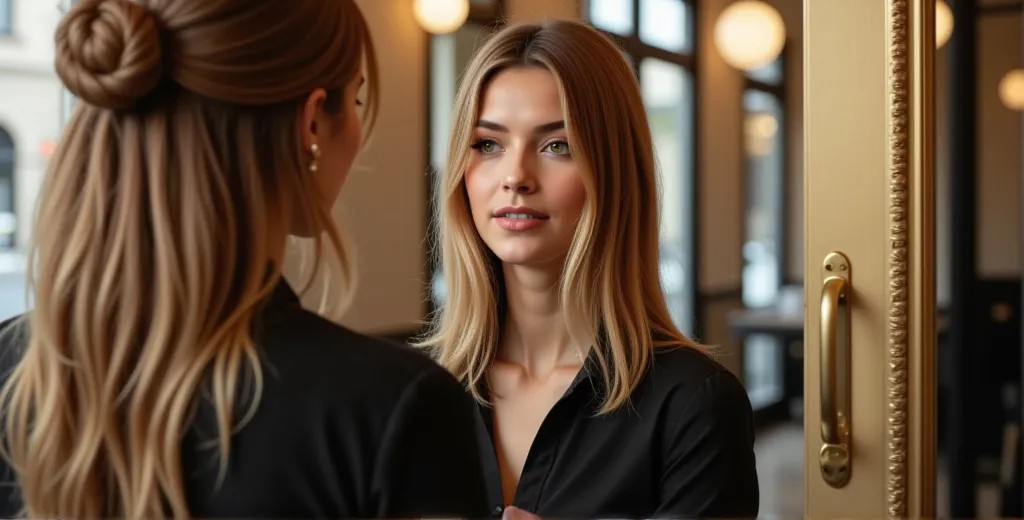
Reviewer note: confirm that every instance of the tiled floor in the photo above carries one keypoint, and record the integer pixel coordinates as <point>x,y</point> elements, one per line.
<point>780,468</point>
<point>780,471</point>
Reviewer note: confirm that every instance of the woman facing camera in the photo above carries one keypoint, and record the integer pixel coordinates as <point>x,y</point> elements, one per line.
<point>592,403</point>
<point>166,368</point>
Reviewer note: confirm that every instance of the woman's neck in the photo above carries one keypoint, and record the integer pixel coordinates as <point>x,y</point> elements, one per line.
<point>534,334</point>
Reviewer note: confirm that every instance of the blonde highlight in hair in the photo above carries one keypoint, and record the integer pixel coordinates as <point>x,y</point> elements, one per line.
<point>610,291</point>
<point>158,236</point>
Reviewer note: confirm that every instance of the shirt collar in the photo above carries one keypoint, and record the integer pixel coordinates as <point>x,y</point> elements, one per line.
<point>283,293</point>
<point>590,373</point>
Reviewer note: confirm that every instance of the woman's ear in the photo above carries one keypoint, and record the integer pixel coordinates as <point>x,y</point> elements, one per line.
<point>308,125</point>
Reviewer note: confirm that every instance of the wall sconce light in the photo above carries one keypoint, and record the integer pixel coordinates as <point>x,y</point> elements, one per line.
<point>749,34</point>
<point>943,23</point>
<point>440,16</point>
<point>1011,89</point>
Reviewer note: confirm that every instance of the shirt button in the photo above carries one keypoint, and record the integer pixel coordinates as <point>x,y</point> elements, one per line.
<point>497,511</point>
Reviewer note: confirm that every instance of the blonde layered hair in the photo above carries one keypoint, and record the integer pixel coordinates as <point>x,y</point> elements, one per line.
<point>610,291</point>
<point>161,225</point>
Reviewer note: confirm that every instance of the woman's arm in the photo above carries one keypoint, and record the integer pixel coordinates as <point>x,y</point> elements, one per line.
<point>429,463</point>
<point>710,470</point>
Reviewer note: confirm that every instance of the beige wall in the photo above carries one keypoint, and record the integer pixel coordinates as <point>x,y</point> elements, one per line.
<point>382,204</point>
<point>720,156</point>
<point>793,16</point>
<point>999,150</point>
<point>999,157</point>
<point>528,10</point>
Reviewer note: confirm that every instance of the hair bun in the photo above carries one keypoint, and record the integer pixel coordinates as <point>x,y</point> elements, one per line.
<point>109,52</point>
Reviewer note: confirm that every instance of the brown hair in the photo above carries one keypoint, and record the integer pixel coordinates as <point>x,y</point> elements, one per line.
<point>161,225</point>
<point>611,290</point>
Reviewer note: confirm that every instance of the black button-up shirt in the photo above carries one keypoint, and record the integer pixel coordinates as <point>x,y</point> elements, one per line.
<point>683,447</point>
<point>347,427</point>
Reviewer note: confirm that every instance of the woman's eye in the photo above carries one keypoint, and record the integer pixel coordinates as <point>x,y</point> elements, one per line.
<point>559,148</point>
<point>486,146</point>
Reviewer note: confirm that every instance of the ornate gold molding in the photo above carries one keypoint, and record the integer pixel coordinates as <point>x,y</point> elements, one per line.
<point>899,200</point>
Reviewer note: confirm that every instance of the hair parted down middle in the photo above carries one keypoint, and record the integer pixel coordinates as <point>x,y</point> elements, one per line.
<point>610,288</point>
<point>161,219</point>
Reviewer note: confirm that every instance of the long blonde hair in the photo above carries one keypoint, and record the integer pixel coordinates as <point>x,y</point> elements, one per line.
<point>610,291</point>
<point>162,220</point>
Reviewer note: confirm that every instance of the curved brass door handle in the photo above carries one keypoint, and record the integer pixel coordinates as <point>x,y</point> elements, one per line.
<point>834,347</point>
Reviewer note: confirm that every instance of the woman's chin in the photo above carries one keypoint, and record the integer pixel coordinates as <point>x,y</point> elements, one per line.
<point>518,257</point>
<point>531,260</point>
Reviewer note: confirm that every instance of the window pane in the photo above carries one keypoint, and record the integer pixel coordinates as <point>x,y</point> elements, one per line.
<point>666,24</point>
<point>772,73</point>
<point>668,95</point>
<point>5,17</point>
<point>612,15</point>
<point>31,111</point>
<point>763,147</point>
<point>764,162</point>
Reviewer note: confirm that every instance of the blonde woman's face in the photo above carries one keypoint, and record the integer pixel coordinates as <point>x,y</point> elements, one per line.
<point>525,189</point>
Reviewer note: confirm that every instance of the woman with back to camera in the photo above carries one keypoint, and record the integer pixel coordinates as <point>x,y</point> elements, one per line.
<point>167,369</point>
<point>593,403</point>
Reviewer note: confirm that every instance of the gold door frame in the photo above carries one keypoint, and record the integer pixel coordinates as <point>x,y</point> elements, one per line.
<point>910,484</point>
<point>907,411</point>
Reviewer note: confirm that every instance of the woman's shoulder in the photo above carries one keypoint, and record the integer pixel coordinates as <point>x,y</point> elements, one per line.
<point>706,437</point>
<point>687,362</point>
<point>299,341</point>
<point>683,374</point>
<point>289,334</point>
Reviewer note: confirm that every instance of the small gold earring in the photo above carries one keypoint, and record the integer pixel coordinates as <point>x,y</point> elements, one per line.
<point>315,150</point>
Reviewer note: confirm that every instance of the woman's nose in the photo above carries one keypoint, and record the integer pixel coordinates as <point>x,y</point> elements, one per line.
<point>517,184</point>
